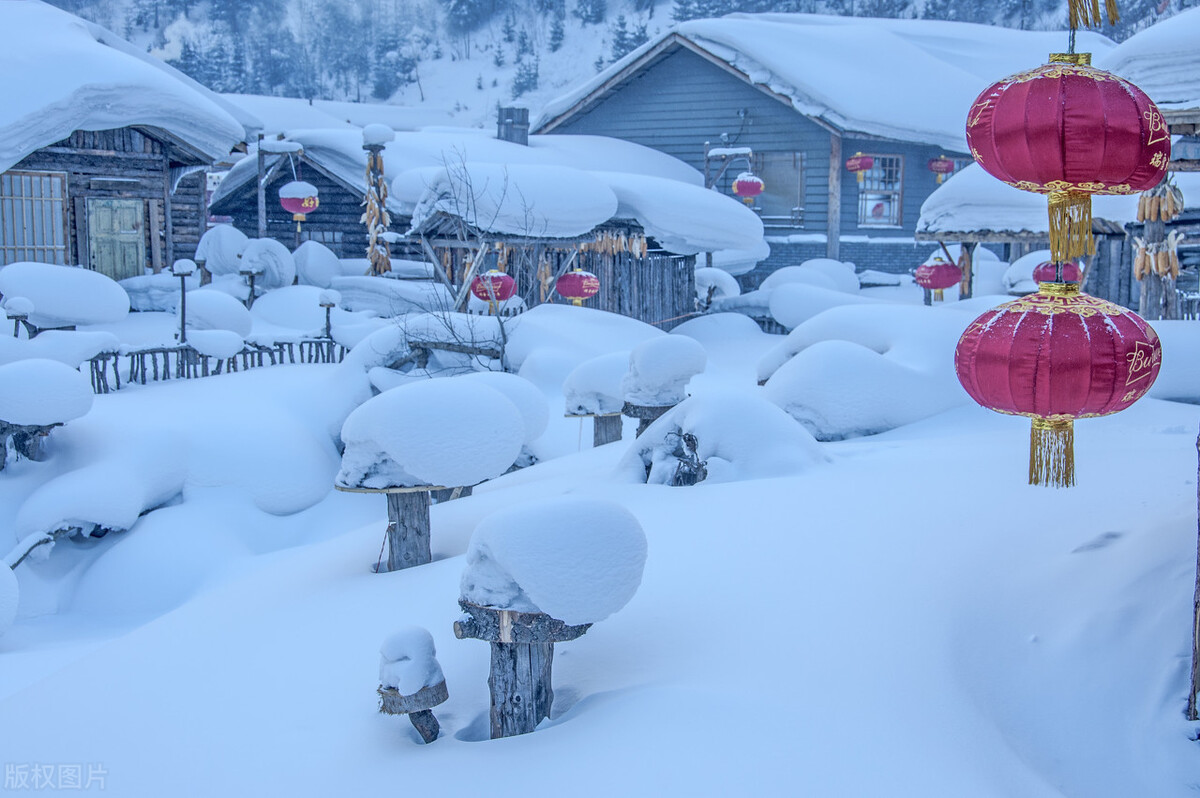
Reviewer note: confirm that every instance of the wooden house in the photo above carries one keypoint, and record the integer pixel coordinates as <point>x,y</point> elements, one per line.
<point>792,97</point>
<point>102,155</point>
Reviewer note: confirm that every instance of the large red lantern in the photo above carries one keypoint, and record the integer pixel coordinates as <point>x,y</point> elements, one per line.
<point>747,186</point>
<point>298,198</point>
<point>1046,272</point>
<point>940,166</point>
<point>493,287</point>
<point>578,285</point>
<point>860,164</point>
<point>1056,356</point>
<point>1069,131</point>
<point>937,276</point>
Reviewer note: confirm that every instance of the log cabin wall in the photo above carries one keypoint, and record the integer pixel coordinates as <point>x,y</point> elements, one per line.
<point>130,166</point>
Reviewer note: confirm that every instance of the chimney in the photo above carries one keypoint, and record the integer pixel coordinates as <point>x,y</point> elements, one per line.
<point>512,124</point>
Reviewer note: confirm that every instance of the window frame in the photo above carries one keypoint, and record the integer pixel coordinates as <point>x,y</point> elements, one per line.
<point>56,237</point>
<point>795,216</point>
<point>866,192</point>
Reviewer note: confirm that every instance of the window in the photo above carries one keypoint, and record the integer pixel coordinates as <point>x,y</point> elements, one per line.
<point>879,193</point>
<point>33,219</point>
<point>331,239</point>
<point>782,202</point>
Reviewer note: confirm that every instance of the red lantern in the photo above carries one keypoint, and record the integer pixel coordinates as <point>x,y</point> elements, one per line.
<point>577,286</point>
<point>501,285</point>
<point>1069,131</point>
<point>941,166</point>
<point>860,164</point>
<point>747,186</point>
<point>298,198</point>
<point>1056,356</point>
<point>937,276</point>
<point>1046,273</point>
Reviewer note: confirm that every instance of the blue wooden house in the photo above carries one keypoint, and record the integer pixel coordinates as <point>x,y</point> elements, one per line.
<point>792,97</point>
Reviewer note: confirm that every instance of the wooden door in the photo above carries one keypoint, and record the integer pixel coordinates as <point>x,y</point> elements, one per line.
<point>117,237</point>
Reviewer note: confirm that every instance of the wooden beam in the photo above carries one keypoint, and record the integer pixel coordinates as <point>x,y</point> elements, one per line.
<point>833,226</point>
<point>169,234</point>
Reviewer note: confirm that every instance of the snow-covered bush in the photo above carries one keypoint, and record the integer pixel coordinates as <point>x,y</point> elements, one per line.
<point>65,346</point>
<point>296,309</point>
<point>659,370</point>
<point>270,262</point>
<point>1018,277</point>
<point>594,386</point>
<point>215,310</point>
<point>717,281</point>
<point>408,661</point>
<point>220,250</point>
<point>316,264</point>
<point>794,303</point>
<point>10,594</point>
<point>821,272</point>
<point>150,292</point>
<point>740,434</point>
<point>576,559</point>
<point>43,392</point>
<point>64,296</point>
<point>436,432</point>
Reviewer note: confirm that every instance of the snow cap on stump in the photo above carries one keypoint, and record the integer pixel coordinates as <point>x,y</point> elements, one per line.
<point>408,661</point>
<point>39,392</point>
<point>660,368</point>
<point>576,559</point>
<point>443,432</point>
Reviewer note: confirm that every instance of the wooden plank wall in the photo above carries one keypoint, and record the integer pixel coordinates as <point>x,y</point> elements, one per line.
<point>140,161</point>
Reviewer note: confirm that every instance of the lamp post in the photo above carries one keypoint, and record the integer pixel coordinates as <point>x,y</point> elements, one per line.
<point>183,268</point>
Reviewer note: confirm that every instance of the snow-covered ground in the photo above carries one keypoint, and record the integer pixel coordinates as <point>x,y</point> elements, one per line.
<point>897,614</point>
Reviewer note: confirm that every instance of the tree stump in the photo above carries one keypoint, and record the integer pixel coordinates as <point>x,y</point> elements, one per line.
<point>417,706</point>
<point>646,415</point>
<point>522,659</point>
<point>606,427</point>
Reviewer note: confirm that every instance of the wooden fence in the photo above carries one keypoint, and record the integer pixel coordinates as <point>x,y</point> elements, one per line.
<point>183,362</point>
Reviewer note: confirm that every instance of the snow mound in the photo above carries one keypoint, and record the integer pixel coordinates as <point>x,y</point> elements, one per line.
<point>64,296</point>
<point>717,281</point>
<point>150,292</point>
<point>377,133</point>
<point>794,303</point>
<point>42,392</point>
<point>271,263</point>
<point>66,346</point>
<point>740,261</point>
<point>18,306</point>
<point>10,594</point>
<point>576,559</point>
<point>659,370</point>
<point>316,264</point>
<point>220,249</point>
<point>790,275</point>
<point>438,432</point>
<point>209,309</point>
<point>576,333</point>
<point>535,410</point>
<point>408,660</point>
<point>1018,277</point>
<point>220,344</point>
<point>740,434</point>
<point>594,386</point>
<point>822,272</point>
<point>298,308</point>
<point>388,298</point>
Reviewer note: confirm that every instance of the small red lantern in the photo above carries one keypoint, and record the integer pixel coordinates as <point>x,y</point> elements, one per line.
<point>298,198</point>
<point>1056,356</point>
<point>493,287</point>
<point>1045,272</point>
<point>1069,131</point>
<point>860,164</point>
<point>747,186</point>
<point>941,166</point>
<point>577,286</point>
<point>937,276</point>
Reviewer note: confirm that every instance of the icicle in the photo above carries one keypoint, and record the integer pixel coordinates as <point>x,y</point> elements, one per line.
<point>1052,452</point>
<point>1070,225</point>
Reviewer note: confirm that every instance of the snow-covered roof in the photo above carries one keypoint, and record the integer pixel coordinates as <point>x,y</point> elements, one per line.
<point>611,179</point>
<point>909,80</point>
<point>280,114</point>
<point>972,201</point>
<point>65,74</point>
<point>1162,60</point>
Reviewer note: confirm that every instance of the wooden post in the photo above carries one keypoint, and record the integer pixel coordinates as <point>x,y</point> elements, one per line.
<point>966,262</point>
<point>262,190</point>
<point>417,706</point>
<point>408,530</point>
<point>833,227</point>
<point>168,224</point>
<point>606,429</point>
<point>644,414</point>
<point>1195,683</point>
<point>522,659</point>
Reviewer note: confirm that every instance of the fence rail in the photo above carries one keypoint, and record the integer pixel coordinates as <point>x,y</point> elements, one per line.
<point>182,362</point>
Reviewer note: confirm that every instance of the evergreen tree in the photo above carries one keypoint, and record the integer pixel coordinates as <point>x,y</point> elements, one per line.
<point>524,46</point>
<point>620,38</point>
<point>526,79</point>
<point>599,63</point>
<point>591,12</point>
<point>498,58</point>
<point>509,29</point>
<point>479,83</point>
<point>557,32</point>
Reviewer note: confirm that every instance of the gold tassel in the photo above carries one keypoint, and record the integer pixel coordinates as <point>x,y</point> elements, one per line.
<point>1086,13</point>
<point>1114,16</point>
<point>1070,225</point>
<point>938,295</point>
<point>1052,452</point>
